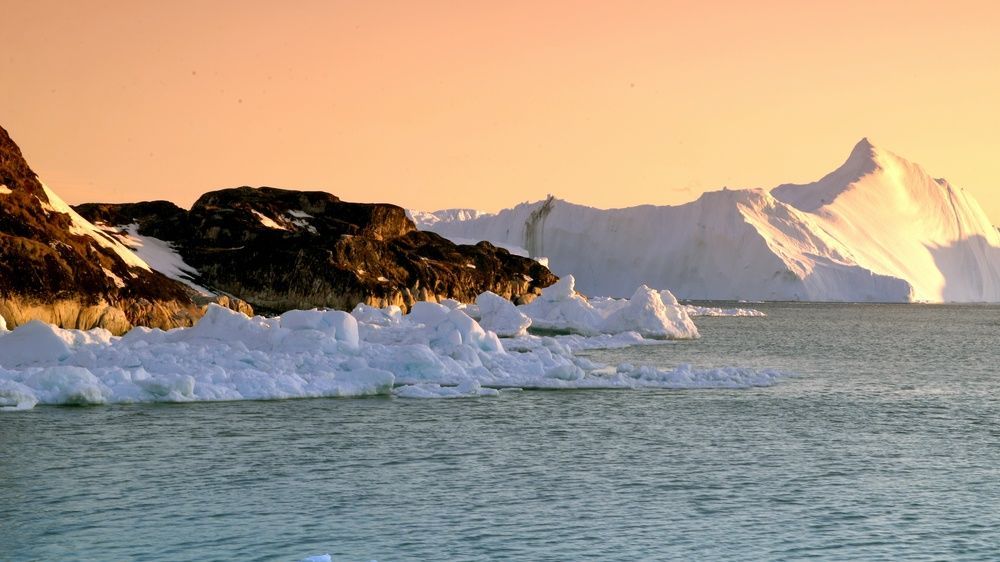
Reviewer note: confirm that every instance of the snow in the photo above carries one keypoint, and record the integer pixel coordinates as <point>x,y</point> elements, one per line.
<point>160,255</point>
<point>299,219</point>
<point>82,227</point>
<point>879,228</point>
<point>433,352</point>
<point>267,221</point>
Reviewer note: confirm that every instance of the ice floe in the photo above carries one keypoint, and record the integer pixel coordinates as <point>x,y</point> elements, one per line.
<point>695,311</point>
<point>435,351</point>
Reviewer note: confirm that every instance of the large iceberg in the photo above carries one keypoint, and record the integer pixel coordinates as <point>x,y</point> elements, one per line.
<point>432,352</point>
<point>878,228</point>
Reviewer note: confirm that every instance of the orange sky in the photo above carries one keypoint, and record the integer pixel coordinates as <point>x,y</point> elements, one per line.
<point>485,104</point>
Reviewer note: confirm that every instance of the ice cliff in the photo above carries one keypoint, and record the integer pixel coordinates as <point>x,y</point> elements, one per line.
<point>878,228</point>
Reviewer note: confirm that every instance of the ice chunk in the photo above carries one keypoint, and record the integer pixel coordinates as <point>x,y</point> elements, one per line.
<point>468,389</point>
<point>458,330</point>
<point>34,342</point>
<point>334,323</point>
<point>452,304</point>
<point>221,323</point>
<point>693,310</point>
<point>499,315</point>
<point>318,558</point>
<point>649,314</point>
<point>68,385</point>
<point>428,313</point>
<point>559,307</point>
<point>16,396</point>
<point>377,316</point>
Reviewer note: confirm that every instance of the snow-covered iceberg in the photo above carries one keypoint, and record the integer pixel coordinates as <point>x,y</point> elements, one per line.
<point>879,228</point>
<point>432,352</point>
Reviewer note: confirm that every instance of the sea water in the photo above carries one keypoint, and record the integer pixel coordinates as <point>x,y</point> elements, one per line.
<point>884,446</point>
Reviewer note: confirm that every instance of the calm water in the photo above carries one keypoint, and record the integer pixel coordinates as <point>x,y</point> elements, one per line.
<point>885,447</point>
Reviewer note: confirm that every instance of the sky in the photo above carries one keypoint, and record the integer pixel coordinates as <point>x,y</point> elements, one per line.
<point>437,104</point>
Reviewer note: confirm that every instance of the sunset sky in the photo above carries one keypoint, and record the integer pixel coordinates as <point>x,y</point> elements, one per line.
<point>436,104</point>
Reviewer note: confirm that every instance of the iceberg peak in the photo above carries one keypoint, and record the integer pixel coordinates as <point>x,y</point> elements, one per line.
<point>864,159</point>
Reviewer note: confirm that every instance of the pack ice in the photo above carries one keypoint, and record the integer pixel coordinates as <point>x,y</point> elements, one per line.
<point>878,228</point>
<point>435,351</point>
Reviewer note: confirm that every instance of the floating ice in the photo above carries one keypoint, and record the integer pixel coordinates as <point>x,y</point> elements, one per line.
<point>695,311</point>
<point>467,389</point>
<point>648,313</point>
<point>318,558</point>
<point>432,352</point>
<point>652,314</point>
<point>560,307</point>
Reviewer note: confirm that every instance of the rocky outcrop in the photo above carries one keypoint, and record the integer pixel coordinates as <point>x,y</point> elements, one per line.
<point>281,249</point>
<point>56,266</point>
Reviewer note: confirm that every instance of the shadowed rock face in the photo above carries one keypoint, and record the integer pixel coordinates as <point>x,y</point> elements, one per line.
<point>51,269</point>
<point>280,249</point>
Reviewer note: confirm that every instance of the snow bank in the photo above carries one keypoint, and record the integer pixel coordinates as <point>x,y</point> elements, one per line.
<point>433,352</point>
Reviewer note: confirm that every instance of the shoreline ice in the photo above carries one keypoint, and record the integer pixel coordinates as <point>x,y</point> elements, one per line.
<point>435,351</point>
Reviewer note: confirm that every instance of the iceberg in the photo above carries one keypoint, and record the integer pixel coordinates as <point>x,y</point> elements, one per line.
<point>650,313</point>
<point>878,228</point>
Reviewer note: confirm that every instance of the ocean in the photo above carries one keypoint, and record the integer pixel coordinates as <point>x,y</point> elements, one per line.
<point>883,444</point>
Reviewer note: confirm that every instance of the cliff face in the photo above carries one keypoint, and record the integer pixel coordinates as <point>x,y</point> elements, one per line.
<point>56,266</point>
<point>281,249</point>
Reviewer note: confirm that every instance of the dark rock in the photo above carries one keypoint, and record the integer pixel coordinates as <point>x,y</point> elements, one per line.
<point>280,249</point>
<point>54,267</point>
